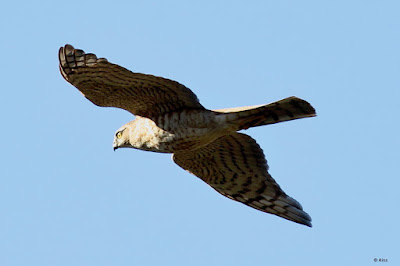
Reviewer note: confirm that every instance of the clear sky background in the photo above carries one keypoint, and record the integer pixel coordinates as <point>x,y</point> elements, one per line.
<point>67,199</point>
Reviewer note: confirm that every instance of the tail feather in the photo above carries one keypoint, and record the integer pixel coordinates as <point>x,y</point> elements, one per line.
<point>252,116</point>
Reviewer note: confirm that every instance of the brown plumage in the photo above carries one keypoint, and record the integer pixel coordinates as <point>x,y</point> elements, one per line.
<point>170,118</point>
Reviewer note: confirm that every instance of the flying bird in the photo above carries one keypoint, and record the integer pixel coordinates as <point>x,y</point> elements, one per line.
<point>170,119</point>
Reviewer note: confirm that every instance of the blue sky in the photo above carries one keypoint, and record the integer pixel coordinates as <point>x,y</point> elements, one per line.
<point>67,199</point>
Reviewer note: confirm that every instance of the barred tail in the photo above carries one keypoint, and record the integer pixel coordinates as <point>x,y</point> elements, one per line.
<point>253,116</point>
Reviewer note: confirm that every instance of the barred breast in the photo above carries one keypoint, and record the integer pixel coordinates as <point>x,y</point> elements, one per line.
<point>177,131</point>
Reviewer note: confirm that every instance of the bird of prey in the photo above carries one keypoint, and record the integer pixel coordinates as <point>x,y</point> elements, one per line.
<point>170,119</point>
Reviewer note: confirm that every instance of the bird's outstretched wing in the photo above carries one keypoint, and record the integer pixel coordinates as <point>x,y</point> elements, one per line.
<point>110,85</point>
<point>235,166</point>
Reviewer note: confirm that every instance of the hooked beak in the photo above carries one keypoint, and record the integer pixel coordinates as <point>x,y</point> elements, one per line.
<point>115,145</point>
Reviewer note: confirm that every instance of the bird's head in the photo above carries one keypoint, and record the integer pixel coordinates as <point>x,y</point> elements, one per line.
<point>121,138</point>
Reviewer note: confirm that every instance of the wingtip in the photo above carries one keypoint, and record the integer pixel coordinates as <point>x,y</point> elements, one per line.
<point>68,47</point>
<point>301,218</point>
<point>307,222</point>
<point>305,219</point>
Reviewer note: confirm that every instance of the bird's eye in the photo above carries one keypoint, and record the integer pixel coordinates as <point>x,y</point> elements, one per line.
<point>119,135</point>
